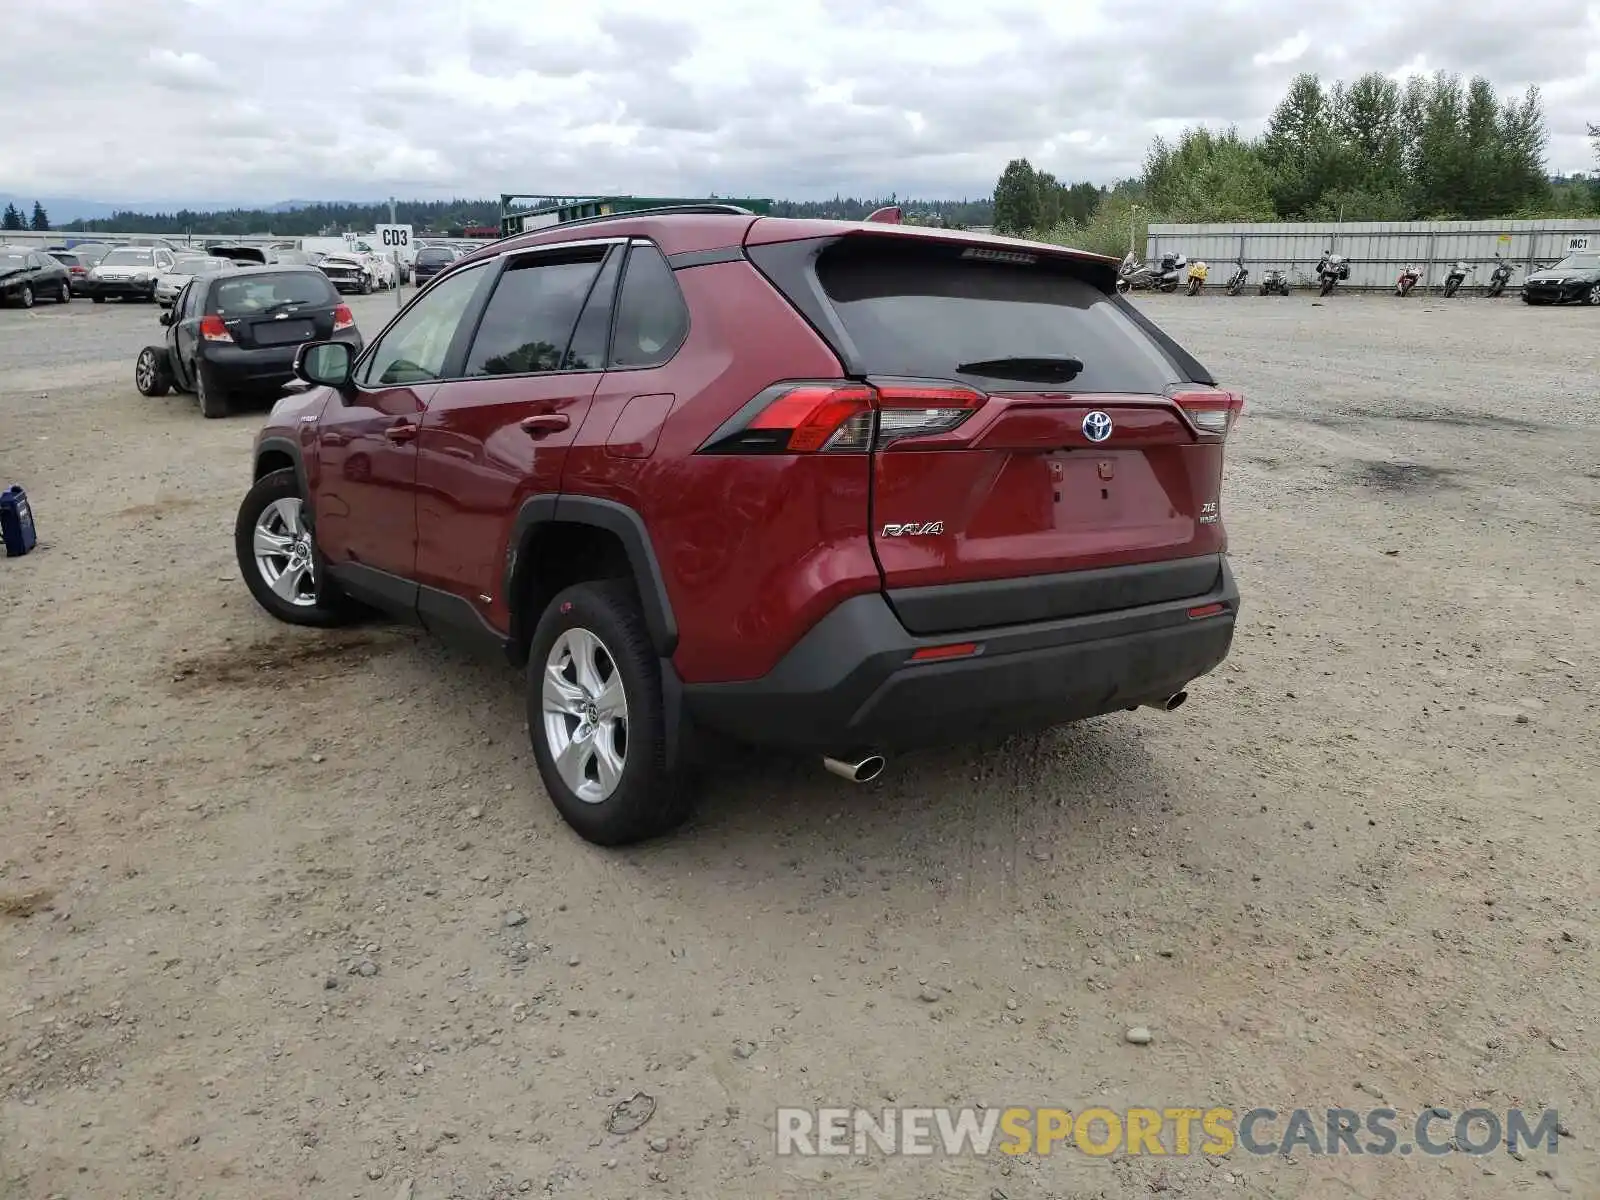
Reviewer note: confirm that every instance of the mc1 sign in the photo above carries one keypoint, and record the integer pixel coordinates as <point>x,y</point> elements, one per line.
<point>394,237</point>
<point>1577,245</point>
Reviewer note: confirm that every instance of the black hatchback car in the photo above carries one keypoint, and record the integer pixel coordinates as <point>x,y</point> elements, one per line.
<point>1575,277</point>
<point>236,334</point>
<point>27,275</point>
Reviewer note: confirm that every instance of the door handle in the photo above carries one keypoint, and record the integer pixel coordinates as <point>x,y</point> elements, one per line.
<point>542,423</point>
<point>401,431</point>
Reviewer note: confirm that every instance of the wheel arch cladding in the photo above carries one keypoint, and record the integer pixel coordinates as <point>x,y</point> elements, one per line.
<point>277,454</point>
<point>558,541</point>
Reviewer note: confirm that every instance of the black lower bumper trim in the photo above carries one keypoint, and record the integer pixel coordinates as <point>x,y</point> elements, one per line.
<point>850,682</point>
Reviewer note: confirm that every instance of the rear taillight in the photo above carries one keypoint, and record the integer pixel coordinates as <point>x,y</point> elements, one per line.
<point>343,318</point>
<point>1211,411</point>
<point>213,330</point>
<point>836,416</point>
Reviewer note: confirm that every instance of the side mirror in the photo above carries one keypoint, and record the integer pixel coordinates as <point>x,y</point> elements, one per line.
<point>324,363</point>
<point>166,317</point>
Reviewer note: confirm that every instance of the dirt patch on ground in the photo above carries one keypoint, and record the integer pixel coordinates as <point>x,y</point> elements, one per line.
<point>1403,477</point>
<point>296,658</point>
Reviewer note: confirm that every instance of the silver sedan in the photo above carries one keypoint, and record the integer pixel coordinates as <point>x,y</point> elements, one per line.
<point>170,283</point>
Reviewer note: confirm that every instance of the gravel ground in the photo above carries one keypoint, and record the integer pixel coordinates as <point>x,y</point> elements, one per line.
<point>285,913</point>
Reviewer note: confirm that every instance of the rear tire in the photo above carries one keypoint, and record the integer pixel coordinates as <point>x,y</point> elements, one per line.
<point>98,299</point>
<point>590,659</point>
<point>152,372</point>
<point>64,293</point>
<point>213,399</point>
<point>258,533</point>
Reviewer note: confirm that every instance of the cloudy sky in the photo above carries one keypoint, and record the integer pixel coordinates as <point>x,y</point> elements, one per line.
<point>121,100</point>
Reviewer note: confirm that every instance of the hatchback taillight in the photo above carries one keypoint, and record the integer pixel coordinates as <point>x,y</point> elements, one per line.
<point>1211,411</point>
<point>343,318</point>
<point>213,330</point>
<point>842,417</point>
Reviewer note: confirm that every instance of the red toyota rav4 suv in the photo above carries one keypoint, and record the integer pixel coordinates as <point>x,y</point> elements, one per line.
<point>833,486</point>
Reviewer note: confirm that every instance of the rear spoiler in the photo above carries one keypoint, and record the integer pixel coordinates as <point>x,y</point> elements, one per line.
<point>891,214</point>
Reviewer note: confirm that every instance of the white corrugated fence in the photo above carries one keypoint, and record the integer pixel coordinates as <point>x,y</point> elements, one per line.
<point>1377,250</point>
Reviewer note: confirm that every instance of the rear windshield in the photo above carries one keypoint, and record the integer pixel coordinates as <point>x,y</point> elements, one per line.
<point>922,311</point>
<point>65,259</point>
<point>129,256</point>
<point>434,254</point>
<point>10,259</point>
<point>254,293</point>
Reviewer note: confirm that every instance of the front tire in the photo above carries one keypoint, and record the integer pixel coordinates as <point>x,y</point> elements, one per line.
<point>1496,288</point>
<point>152,372</point>
<point>1194,287</point>
<point>1327,285</point>
<point>98,299</point>
<point>1450,287</point>
<point>64,293</point>
<point>1592,296</point>
<point>25,296</point>
<point>596,717</point>
<point>278,556</point>
<point>1235,286</point>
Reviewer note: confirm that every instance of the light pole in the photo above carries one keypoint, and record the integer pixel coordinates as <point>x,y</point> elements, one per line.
<point>1133,210</point>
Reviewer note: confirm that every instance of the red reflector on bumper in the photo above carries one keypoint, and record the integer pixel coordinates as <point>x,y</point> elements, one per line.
<point>955,650</point>
<point>1206,610</point>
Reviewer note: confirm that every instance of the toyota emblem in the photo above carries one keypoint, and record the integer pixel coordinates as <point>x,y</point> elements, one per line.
<point>1097,426</point>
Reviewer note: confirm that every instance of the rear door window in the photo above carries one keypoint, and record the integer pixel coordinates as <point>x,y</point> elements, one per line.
<point>528,324</point>
<point>652,319</point>
<point>924,311</point>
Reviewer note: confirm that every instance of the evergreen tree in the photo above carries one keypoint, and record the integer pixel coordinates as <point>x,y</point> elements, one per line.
<point>1016,198</point>
<point>12,218</point>
<point>41,219</point>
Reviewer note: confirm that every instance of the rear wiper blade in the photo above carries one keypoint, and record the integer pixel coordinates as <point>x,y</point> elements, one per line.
<point>1044,368</point>
<point>281,305</point>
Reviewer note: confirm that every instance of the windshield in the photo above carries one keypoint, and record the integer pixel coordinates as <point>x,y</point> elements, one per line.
<point>257,292</point>
<point>10,260</point>
<point>128,256</point>
<point>435,254</point>
<point>1578,262</point>
<point>197,266</point>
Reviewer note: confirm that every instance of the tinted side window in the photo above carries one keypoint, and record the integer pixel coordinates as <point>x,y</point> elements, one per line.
<point>530,318</point>
<point>923,312</point>
<point>413,349</point>
<point>588,349</point>
<point>652,319</point>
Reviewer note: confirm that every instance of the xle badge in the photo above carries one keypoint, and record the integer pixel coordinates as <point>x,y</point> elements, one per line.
<point>1208,513</point>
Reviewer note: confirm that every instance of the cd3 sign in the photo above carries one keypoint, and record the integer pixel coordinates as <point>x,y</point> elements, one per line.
<point>394,238</point>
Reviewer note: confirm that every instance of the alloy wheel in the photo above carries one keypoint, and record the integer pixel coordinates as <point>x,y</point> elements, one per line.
<point>585,715</point>
<point>145,371</point>
<point>1594,294</point>
<point>285,554</point>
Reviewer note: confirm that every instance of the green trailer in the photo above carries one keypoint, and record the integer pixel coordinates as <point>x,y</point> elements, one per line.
<point>525,213</point>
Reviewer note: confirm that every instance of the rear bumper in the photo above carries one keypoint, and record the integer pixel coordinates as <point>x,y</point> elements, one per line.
<point>273,366</point>
<point>850,682</point>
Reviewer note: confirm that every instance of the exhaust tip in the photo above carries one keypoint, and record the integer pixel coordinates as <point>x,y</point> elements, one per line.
<point>1167,705</point>
<point>857,770</point>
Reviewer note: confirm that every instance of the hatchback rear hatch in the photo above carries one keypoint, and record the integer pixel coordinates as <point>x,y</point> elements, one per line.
<point>1041,449</point>
<point>261,309</point>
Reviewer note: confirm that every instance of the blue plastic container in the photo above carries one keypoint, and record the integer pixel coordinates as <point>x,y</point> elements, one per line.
<point>16,521</point>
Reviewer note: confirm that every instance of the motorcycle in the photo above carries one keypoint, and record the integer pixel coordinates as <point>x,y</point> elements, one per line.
<point>1331,270</point>
<point>1458,275</point>
<point>1134,276</point>
<point>1240,277</point>
<point>1274,283</point>
<point>1197,277</point>
<point>1500,277</point>
<point>1407,281</point>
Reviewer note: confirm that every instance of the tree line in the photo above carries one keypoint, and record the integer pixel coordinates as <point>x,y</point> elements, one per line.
<point>13,218</point>
<point>439,215</point>
<point>1376,149</point>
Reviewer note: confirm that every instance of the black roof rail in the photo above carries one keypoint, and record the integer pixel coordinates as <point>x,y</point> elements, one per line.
<point>664,210</point>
